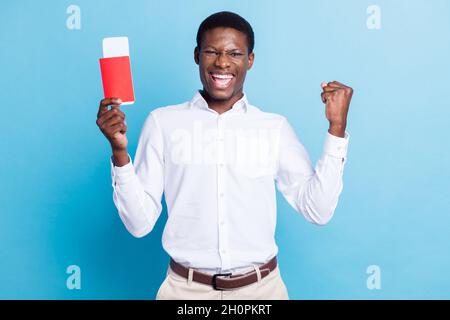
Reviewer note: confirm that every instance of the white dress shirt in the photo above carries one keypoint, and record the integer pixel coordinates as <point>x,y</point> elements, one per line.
<point>218,173</point>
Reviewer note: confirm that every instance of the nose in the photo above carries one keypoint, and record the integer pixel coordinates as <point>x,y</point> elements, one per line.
<point>222,60</point>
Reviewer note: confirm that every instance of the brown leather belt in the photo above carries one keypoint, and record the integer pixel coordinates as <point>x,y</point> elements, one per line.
<point>225,281</point>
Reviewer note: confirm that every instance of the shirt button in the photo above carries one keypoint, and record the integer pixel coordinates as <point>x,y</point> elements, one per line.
<point>223,251</point>
<point>221,195</point>
<point>222,223</point>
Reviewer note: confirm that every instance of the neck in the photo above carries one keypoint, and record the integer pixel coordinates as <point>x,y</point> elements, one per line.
<point>221,106</point>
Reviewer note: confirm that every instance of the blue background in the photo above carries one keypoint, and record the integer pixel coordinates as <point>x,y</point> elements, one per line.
<point>56,205</point>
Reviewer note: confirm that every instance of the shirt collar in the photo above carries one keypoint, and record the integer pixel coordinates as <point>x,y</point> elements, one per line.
<point>199,102</point>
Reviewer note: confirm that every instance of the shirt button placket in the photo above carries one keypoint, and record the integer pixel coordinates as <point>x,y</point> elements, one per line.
<point>223,243</point>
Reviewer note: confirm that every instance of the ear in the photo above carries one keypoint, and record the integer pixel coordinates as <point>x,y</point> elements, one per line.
<point>251,58</point>
<point>196,55</point>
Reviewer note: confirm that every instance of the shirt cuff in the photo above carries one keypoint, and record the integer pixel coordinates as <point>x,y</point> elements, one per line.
<point>336,146</point>
<point>122,174</point>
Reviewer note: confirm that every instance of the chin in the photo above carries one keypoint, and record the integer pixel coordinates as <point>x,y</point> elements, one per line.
<point>220,94</point>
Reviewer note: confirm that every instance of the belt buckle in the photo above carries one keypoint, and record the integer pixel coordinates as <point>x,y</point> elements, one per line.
<point>214,278</point>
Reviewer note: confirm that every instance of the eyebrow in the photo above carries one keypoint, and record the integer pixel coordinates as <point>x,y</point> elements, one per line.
<point>234,49</point>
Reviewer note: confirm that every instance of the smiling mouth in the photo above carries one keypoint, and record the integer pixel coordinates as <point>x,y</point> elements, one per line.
<point>221,81</point>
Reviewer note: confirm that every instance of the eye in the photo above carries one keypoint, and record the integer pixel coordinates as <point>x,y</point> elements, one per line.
<point>236,54</point>
<point>210,52</point>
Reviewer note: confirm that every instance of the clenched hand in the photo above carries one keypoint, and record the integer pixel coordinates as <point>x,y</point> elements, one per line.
<point>336,97</point>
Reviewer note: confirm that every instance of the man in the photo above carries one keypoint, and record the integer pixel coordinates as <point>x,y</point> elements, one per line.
<point>218,158</point>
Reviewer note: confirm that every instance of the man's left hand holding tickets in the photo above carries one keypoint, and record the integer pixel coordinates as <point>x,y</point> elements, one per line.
<point>336,97</point>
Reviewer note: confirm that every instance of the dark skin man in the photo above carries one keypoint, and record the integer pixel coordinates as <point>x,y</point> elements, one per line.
<point>223,61</point>
<point>224,51</point>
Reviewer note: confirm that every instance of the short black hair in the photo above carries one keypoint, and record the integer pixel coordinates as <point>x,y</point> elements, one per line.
<point>227,19</point>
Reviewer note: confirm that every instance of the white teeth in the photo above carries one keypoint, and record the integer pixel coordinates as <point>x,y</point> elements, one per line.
<point>222,76</point>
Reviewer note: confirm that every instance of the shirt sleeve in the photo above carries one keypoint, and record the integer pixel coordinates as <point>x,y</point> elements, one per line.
<point>138,186</point>
<point>313,192</point>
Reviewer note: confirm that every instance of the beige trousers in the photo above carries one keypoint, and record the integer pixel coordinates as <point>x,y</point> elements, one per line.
<point>175,287</point>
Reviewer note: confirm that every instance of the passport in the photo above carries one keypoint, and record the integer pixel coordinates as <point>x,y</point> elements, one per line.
<point>115,67</point>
